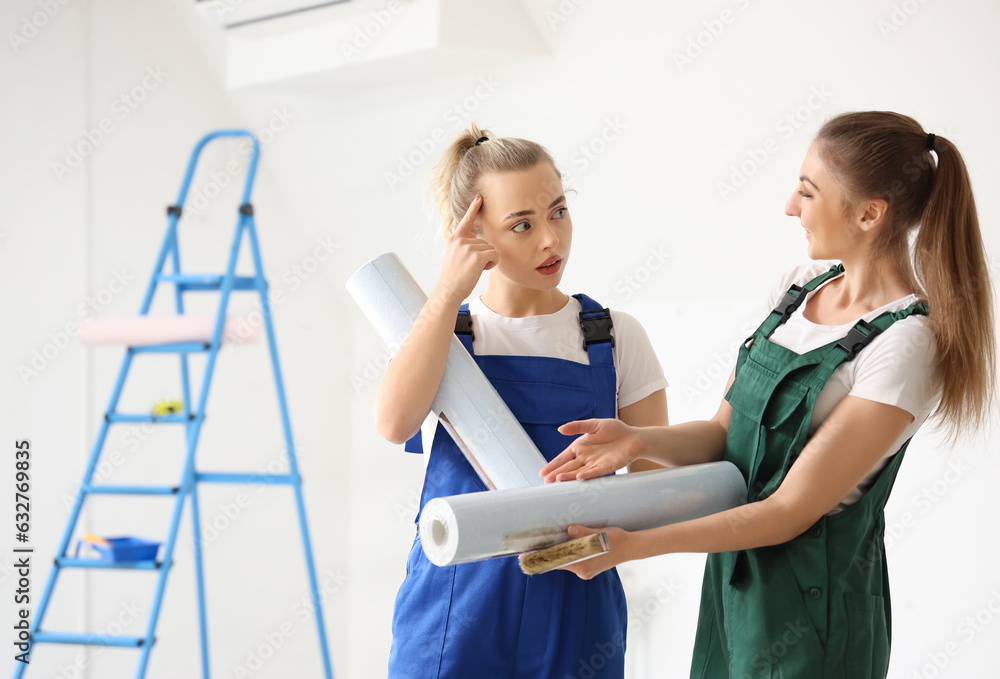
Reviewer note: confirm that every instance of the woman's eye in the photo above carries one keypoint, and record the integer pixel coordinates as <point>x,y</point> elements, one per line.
<point>804,194</point>
<point>560,213</point>
<point>520,227</point>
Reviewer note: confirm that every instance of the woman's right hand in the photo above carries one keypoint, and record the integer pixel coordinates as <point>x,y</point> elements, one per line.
<point>465,258</point>
<point>605,446</point>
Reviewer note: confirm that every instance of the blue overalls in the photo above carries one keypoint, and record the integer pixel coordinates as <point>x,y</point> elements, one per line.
<point>487,620</point>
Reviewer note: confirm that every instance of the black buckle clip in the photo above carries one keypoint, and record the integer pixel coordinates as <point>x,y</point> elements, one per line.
<point>463,325</point>
<point>597,328</point>
<point>246,209</point>
<point>789,303</point>
<point>857,340</point>
<point>174,210</point>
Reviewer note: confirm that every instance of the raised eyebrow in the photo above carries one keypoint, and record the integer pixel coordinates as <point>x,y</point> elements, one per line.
<point>803,178</point>
<point>525,213</point>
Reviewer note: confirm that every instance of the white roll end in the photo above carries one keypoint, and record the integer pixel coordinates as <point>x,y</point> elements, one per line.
<point>438,532</point>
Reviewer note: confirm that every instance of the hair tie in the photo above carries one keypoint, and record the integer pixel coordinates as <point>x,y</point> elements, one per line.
<point>481,140</point>
<point>930,142</point>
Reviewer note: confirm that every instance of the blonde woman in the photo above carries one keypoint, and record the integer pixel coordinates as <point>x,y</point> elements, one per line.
<point>504,210</point>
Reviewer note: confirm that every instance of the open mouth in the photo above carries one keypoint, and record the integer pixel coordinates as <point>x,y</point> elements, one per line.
<point>550,266</point>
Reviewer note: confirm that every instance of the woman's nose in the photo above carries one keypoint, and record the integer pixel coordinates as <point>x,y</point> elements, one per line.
<point>550,238</point>
<point>792,206</point>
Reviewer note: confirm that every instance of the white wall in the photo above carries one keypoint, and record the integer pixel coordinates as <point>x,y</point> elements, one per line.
<point>648,194</point>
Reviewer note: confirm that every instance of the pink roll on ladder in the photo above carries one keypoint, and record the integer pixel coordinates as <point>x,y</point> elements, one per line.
<point>138,331</point>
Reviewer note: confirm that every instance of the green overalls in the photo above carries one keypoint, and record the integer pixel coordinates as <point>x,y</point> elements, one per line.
<point>817,606</point>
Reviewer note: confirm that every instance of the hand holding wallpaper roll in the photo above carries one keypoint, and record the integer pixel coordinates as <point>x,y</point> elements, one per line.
<point>469,407</point>
<point>478,526</point>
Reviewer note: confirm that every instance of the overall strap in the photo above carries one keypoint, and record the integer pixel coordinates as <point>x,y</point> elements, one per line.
<point>793,300</point>
<point>463,327</point>
<point>595,322</point>
<point>861,335</point>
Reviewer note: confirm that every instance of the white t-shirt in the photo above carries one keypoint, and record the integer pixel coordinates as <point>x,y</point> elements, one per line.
<point>896,368</point>
<point>558,335</point>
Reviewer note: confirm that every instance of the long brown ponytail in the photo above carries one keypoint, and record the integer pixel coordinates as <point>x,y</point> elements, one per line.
<point>886,155</point>
<point>455,177</point>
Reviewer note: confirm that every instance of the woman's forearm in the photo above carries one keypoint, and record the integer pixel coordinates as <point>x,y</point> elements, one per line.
<point>682,444</point>
<point>758,524</point>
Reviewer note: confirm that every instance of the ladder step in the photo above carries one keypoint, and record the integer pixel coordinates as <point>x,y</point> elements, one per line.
<point>140,417</point>
<point>73,562</point>
<point>202,282</point>
<point>40,637</point>
<point>131,490</point>
<point>274,479</point>
<point>173,348</point>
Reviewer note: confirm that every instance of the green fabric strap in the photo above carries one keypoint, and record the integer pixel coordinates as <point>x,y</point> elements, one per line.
<point>836,353</point>
<point>777,315</point>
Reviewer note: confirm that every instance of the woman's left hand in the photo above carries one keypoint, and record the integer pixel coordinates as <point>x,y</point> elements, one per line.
<point>603,447</point>
<point>620,543</point>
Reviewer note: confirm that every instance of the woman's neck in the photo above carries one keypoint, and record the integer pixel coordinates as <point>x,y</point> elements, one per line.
<point>871,282</point>
<point>867,284</point>
<point>521,302</point>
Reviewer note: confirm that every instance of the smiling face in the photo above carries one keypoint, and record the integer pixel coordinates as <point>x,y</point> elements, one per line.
<point>818,202</point>
<point>524,216</point>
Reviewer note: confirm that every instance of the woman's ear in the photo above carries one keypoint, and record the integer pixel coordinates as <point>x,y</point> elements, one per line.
<point>873,214</point>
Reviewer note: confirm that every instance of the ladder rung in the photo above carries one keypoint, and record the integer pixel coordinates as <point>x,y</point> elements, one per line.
<point>139,417</point>
<point>173,348</point>
<point>215,477</point>
<point>202,282</point>
<point>40,637</point>
<point>131,490</point>
<point>73,562</point>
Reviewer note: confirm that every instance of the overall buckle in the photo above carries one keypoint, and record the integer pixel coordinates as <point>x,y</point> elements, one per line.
<point>789,303</point>
<point>596,328</point>
<point>463,325</point>
<point>856,340</point>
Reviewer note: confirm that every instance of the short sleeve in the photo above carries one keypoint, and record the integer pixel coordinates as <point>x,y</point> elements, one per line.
<point>898,368</point>
<point>639,371</point>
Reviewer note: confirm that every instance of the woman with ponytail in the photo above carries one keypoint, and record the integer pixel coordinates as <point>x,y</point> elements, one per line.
<point>504,210</point>
<point>853,356</point>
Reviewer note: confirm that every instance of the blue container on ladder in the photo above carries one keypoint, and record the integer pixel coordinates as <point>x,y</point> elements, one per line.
<point>192,419</point>
<point>117,550</point>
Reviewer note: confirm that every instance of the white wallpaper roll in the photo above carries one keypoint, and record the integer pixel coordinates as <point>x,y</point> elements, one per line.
<point>469,407</point>
<point>477,526</point>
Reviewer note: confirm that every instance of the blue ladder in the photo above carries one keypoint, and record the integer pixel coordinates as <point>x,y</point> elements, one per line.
<point>192,420</point>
